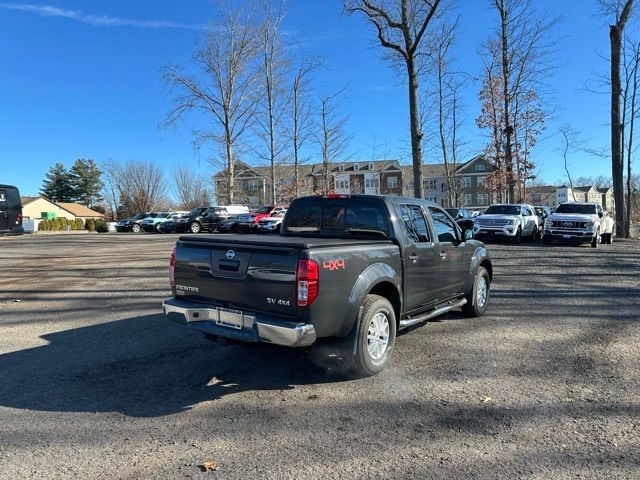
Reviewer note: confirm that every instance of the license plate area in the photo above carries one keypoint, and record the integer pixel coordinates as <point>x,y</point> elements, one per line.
<point>233,319</point>
<point>566,236</point>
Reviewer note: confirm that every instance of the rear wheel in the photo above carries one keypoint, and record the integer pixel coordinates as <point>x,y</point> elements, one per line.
<point>195,227</point>
<point>478,296</point>
<point>135,228</point>
<point>374,338</point>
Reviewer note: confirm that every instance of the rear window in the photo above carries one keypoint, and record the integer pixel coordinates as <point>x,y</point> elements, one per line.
<point>331,217</point>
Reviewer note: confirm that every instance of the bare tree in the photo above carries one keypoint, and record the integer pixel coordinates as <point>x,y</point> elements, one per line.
<point>621,11</point>
<point>301,120</point>
<point>226,87</point>
<point>134,186</point>
<point>520,48</point>
<point>189,188</point>
<point>331,135</point>
<point>631,56</point>
<point>569,137</point>
<point>272,108</point>
<point>400,27</point>
<point>111,191</point>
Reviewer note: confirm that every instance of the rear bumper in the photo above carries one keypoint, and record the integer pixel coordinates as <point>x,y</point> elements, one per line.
<point>255,327</point>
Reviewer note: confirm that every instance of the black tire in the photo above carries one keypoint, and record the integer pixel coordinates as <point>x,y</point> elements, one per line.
<point>234,228</point>
<point>476,306</point>
<point>135,228</point>
<point>518,236</point>
<point>546,240</point>
<point>195,227</point>
<point>594,241</point>
<point>363,363</point>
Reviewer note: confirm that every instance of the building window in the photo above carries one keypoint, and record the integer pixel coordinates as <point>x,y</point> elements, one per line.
<point>253,185</point>
<point>429,184</point>
<point>370,166</point>
<point>480,180</point>
<point>430,198</point>
<point>253,201</point>
<point>392,182</point>
<point>341,168</point>
<point>468,200</point>
<point>356,166</point>
<point>370,183</point>
<point>465,182</point>
<point>480,167</point>
<point>342,184</point>
<point>483,199</point>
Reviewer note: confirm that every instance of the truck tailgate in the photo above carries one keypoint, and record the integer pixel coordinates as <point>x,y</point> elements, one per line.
<point>252,276</point>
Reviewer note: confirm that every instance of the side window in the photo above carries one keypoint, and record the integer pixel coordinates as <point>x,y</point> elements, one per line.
<point>523,211</point>
<point>414,223</point>
<point>445,229</point>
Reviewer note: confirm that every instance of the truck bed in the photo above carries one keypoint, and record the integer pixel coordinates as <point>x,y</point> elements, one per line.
<point>279,241</point>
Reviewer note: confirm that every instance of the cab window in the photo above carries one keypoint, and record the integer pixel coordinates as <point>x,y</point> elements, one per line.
<point>414,223</point>
<point>445,229</point>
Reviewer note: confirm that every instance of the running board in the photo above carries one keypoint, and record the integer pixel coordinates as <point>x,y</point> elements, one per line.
<point>434,313</point>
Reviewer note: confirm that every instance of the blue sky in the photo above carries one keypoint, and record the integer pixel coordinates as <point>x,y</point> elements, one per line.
<point>81,79</point>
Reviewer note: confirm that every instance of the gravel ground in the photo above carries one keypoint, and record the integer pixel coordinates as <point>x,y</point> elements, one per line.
<point>95,383</point>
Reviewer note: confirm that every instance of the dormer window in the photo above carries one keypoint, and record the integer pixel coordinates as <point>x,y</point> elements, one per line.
<point>480,167</point>
<point>341,168</point>
<point>356,166</point>
<point>370,165</point>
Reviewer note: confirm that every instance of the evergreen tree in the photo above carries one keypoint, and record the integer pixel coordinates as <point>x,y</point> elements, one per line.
<point>57,185</point>
<point>86,182</point>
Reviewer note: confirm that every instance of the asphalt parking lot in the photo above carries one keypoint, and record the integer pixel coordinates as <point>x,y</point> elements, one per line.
<point>95,383</point>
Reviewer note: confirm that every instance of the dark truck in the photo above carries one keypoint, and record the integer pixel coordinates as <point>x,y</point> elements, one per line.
<point>10,210</point>
<point>354,269</point>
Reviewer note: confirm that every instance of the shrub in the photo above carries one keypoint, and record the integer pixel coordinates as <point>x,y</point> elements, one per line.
<point>101,226</point>
<point>43,225</point>
<point>90,224</point>
<point>78,224</point>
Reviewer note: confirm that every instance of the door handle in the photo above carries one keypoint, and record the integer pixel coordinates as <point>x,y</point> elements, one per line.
<point>443,255</point>
<point>414,258</point>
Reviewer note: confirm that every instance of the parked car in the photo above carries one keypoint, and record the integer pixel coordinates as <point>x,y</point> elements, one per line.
<point>209,219</point>
<point>182,223</point>
<point>270,224</point>
<point>542,213</point>
<point>508,221</point>
<point>578,222</point>
<point>150,223</point>
<point>352,269</point>
<point>132,224</point>
<point>168,226</point>
<point>10,210</point>
<point>249,222</point>
<point>229,225</point>
<point>463,217</point>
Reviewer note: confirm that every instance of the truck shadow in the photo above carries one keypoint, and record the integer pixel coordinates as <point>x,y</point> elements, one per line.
<point>145,367</point>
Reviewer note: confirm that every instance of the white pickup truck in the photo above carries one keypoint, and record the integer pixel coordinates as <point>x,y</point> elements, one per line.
<point>577,222</point>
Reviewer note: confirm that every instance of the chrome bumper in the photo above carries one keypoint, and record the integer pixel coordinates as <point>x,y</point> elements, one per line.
<point>239,325</point>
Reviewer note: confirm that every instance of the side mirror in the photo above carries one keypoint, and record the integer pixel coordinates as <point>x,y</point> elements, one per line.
<point>468,234</point>
<point>600,214</point>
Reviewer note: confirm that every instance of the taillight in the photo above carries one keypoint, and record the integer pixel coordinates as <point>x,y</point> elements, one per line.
<point>172,268</point>
<point>308,285</point>
<point>18,219</point>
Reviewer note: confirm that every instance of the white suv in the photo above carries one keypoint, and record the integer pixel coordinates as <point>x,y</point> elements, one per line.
<point>577,222</point>
<point>511,221</point>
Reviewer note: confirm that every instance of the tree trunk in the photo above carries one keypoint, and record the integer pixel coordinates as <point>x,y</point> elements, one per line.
<point>296,180</point>
<point>508,130</point>
<point>416,133</point>
<point>617,163</point>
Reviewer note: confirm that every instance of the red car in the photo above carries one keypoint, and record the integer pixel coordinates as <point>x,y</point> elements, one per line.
<point>248,222</point>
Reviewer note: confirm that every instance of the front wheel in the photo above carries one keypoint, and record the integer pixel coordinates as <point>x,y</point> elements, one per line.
<point>195,227</point>
<point>518,237</point>
<point>374,339</point>
<point>135,228</point>
<point>478,296</point>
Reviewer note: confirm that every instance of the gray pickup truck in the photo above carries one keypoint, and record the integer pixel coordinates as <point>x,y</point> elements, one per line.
<point>355,269</point>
